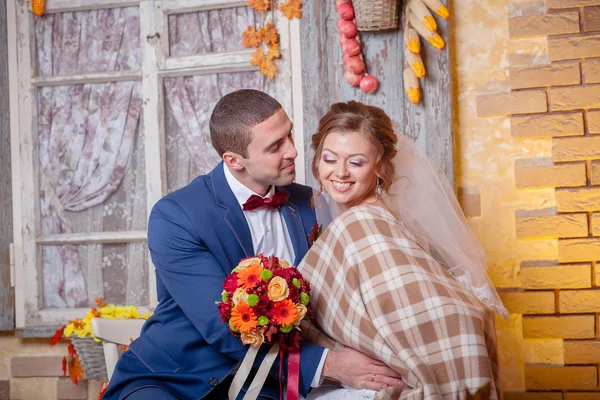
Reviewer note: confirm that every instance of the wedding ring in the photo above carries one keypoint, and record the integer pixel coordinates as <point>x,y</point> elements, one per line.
<point>373,378</point>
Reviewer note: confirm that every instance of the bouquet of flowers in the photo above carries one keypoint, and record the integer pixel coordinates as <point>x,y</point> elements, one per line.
<point>264,299</point>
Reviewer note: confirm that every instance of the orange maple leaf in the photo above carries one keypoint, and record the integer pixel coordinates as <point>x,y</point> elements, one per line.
<point>75,370</point>
<point>103,390</point>
<point>270,36</point>
<point>251,37</point>
<point>273,52</point>
<point>259,5</point>
<point>268,68</point>
<point>258,57</point>
<point>291,9</point>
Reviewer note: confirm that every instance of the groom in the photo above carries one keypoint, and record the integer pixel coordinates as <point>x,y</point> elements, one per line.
<point>198,234</point>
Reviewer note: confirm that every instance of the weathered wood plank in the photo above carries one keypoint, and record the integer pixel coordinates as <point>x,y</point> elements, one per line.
<point>96,77</point>
<point>7,304</point>
<point>429,123</point>
<point>93,237</point>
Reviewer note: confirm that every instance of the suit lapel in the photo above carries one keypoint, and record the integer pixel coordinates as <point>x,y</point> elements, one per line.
<point>234,215</point>
<point>293,220</point>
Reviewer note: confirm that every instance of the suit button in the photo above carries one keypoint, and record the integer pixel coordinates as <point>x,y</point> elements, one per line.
<point>214,382</point>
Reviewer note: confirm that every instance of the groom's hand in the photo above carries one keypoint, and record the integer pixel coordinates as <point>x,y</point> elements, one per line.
<point>359,371</point>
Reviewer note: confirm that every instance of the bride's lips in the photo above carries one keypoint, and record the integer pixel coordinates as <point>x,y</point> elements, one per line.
<point>341,186</point>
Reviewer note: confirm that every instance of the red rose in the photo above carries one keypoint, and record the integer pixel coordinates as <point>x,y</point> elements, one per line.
<point>230,284</point>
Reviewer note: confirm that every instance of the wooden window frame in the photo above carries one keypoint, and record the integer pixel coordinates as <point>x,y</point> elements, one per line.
<point>30,317</point>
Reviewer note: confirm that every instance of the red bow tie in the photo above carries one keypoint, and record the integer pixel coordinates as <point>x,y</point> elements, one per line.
<point>255,202</point>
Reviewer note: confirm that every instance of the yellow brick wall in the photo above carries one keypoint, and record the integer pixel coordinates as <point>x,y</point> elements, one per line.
<point>528,140</point>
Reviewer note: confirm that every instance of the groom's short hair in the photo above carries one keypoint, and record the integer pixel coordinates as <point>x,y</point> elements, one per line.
<point>234,117</point>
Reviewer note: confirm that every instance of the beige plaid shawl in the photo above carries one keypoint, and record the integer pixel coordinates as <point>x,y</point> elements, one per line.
<point>375,290</point>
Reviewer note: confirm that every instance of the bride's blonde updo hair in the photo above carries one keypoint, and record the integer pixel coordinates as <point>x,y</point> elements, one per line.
<point>371,122</point>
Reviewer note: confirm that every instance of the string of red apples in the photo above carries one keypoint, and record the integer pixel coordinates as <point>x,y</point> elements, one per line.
<point>356,69</point>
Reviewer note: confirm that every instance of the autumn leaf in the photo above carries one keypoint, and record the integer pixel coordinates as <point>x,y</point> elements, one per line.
<point>75,370</point>
<point>273,52</point>
<point>259,5</point>
<point>271,36</point>
<point>291,9</point>
<point>57,335</point>
<point>251,37</point>
<point>103,390</point>
<point>100,302</point>
<point>257,58</point>
<point>64,365</point>
<point>268,68</point>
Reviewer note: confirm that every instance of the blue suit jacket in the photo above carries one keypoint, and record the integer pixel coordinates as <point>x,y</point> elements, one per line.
<point>196,236</point>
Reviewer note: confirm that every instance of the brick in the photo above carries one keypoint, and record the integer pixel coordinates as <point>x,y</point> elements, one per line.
<point>579,301</point>
<point>571,3</point>
<point>548,125</point>
<point>574,97</point>
<point>576,149</point>
<point>521,102</point>
<point>470,204</point>
<point>28,366</point>
<point>543,351</point>
<point>577,250</point>
<point>528,302</point>
<point>552,226</point>
<point>5,390</point>
<point>564,326</point>
<point>560,175</point>
<point>569,276</point>
<point>582,396</point>
<point>557,74</point>
<point>582,351</point>
<point>67,390</point>
<point>569,200</point>
<point>591,19</point>
<point>557,378</point>
<point>593,121</point>
<point>573,47</point>
<point>591,70</point>
<point>596,224</point>
<point>544,25</point>
<point>532,396</point>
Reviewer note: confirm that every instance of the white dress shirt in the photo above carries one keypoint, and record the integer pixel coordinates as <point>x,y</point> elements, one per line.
<point>270,235</point>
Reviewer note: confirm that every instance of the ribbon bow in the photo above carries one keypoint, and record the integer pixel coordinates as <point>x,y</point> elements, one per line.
<point>255,202</point>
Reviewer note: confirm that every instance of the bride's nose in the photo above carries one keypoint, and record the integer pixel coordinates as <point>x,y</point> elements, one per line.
<point>341,170</point>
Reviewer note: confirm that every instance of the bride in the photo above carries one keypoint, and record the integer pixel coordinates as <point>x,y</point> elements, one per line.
<point>398,274</point>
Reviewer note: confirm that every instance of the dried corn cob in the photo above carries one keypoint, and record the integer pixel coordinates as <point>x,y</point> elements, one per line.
<point>411,40</point>
<point>438,7</point>
<point>38,7</point>
<point>422,13</point>
<point>432,37</point>
<point>411,85</point>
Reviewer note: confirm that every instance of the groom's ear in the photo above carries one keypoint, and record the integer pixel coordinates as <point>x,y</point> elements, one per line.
<point>233,160</point>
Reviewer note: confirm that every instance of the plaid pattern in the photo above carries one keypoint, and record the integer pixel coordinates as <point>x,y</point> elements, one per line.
<point>374,289</point>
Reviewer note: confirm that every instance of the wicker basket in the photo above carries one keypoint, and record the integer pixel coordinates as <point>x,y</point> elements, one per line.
<point>376,15</point>
<point>91,356</point>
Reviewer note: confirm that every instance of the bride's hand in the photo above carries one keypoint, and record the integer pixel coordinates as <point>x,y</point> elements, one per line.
<point>359,371</point>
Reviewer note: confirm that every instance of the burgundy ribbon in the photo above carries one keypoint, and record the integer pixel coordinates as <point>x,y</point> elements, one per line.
<point>293,381</point>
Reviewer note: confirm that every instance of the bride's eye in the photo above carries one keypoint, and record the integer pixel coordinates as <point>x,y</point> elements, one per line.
<point>328,160</point>
<point>357,163</point>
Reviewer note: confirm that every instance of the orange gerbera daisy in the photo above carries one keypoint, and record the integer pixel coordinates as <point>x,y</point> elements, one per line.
<point>242,318</point>
<point>249,277</point>
<point>285,312</point>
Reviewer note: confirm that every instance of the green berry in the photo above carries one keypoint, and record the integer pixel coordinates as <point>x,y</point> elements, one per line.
<point>262,320</point>
<point>286,328</point>
<point>266,274</point>
<point>224,297</point>
<point>304,299</point>
<point>252,300</point>
<point>296,283</point>
<point>233,328</point>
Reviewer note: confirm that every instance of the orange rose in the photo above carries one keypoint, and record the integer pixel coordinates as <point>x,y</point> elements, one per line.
<point>253,338</point>
<point>240,296</point>
<point>278,289</point>
<point>248,262</point>
<point>301,313</point>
